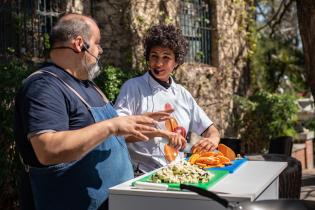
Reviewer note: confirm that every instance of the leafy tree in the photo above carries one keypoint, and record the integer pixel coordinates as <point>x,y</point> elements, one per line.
<point>277,61</point>
<point>306,18</point>
<point>277,66</point>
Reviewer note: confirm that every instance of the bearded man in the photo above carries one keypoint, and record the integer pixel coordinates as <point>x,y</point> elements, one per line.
<point>69,136</point>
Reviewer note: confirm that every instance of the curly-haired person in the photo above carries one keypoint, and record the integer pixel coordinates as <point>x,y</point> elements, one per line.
<point>164,50</point>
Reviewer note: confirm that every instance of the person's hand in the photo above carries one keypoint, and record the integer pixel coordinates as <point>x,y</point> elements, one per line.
<point>176,140</point>
<point>159,115</point>
<point>133,125</point>
<point>205,145</point>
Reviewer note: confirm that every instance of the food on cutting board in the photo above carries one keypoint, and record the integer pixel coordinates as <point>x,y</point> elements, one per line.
<point>227,151</point>
<point>170,153</point>
<point>220,158</point>
<point>181,172</point>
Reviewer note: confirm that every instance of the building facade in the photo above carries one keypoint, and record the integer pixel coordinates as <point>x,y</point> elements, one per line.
<point>215,68</point>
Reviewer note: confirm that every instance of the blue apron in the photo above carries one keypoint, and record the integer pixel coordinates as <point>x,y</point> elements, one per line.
<point>83,184</point>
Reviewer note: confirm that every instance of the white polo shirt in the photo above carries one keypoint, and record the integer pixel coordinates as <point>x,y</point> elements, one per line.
<point>144,94</point>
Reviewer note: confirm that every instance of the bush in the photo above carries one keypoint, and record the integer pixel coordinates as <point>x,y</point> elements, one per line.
<point>265,116</point>
<point>111,79</point>
<point>11,74</point>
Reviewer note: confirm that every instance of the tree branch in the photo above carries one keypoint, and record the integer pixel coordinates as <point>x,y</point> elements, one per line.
<point>274,16</point>
<point>261,11</point>
<point>278,21</point>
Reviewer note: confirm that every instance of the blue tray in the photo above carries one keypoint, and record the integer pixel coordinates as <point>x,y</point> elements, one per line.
<point>230,168</point>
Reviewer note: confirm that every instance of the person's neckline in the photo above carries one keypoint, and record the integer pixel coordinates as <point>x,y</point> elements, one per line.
<point>166,85</point>
<point>84,82</point>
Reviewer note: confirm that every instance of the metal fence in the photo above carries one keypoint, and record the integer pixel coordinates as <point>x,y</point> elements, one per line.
<point>25,25</point>
<point>195,24</point>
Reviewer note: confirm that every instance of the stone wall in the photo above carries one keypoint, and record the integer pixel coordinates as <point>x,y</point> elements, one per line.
<point>203,82</point>
<point>214,86</point>
<point>123,24</point>
<point>145,13</point>
<point>114,21</point>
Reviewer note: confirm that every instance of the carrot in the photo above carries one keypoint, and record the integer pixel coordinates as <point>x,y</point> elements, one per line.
<point>227,151</point>
<point>170,153</point>
<point>193,158</point>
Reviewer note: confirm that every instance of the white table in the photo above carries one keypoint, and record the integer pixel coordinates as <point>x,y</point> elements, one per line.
<point>254,180</point>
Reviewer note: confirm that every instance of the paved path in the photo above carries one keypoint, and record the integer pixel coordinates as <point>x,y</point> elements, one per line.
<point>308,185</point>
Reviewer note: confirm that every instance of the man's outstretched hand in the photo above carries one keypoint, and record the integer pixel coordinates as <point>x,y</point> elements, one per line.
<point>159,115</point>
<point>133,125</point>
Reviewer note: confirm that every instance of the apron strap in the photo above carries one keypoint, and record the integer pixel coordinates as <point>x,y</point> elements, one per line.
<point>66,84</point>
<point>100,92</point>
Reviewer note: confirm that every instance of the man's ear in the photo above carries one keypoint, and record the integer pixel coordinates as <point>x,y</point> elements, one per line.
<point>78,43</point>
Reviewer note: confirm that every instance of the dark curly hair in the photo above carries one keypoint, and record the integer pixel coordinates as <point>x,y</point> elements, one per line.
<point>166,36</point>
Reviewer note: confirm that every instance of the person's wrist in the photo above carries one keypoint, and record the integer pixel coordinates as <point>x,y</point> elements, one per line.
<point>110,125</point>
<point>215,142</point>
<point>163,134</point>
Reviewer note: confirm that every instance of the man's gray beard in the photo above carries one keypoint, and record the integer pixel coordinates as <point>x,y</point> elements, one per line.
<point>93,70</point>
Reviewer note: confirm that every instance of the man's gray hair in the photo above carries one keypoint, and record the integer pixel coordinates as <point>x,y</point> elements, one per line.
<point>69,28</point>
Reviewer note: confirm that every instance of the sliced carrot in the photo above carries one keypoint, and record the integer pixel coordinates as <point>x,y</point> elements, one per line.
<point>208,160</point>
<point>202,165</point>
<point>224,160</point>
<point>208,154</point>
<point>170,153</point>
<point>171,124</point>
<point>218,153</point>
<point>227,151</point>
<point>193,158</point>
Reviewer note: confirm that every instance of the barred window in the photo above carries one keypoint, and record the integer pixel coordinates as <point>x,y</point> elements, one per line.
<point>27,25</point>
<point>195,25</point>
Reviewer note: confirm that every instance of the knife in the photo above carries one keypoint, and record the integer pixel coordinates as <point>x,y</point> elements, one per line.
<point>153,186</point>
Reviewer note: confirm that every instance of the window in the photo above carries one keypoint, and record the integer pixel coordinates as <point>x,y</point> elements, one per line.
<point>47,12</point>
<point>195,24</point>
<point>27,24</point>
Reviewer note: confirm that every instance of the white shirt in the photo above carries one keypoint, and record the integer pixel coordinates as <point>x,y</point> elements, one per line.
<point>144,94</point>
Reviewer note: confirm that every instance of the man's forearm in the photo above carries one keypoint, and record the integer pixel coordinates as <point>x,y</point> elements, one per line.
<point>66,146</point>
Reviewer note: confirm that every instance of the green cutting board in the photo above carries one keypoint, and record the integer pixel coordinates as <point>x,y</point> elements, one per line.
<point>218,175</point>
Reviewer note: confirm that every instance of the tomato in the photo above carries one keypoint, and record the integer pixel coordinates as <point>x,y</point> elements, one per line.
<point>168,106</point>
<point>181,130</point>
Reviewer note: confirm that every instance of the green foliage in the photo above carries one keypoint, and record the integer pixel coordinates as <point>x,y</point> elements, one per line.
<point>310,124</point>
<point>111,79</point>
<point>265,116</point>
<point>277,64</point>
<point>11,75</point>
<point>199,56</point>
<point>46,41</point>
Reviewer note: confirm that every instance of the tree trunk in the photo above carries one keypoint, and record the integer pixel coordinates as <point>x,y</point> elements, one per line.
<point>306,18</point>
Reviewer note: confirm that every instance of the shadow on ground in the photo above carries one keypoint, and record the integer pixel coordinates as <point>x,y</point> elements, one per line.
<point>308,186</point>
